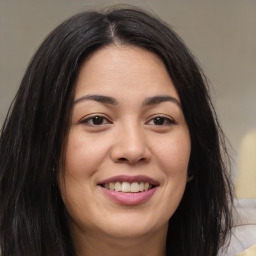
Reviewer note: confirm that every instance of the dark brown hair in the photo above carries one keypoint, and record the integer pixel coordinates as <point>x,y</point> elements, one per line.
<point>32,214</point>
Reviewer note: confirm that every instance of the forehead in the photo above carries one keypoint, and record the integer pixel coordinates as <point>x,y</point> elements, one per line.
<point>124,69</point>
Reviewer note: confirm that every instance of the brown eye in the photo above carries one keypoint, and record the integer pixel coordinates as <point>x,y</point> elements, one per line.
<point>95,121</point>
<point>161,120</point>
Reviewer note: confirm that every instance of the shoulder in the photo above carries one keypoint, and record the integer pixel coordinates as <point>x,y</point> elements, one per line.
<point>249,252</point>
<point>244,231</point>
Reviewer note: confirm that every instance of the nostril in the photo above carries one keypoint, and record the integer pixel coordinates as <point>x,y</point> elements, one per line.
<point>130,161</point>
<point>122,159</point>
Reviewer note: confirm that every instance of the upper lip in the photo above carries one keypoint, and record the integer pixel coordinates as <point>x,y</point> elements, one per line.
<point>130,179</point>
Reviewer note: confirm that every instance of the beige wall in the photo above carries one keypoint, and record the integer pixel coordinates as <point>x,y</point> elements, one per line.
<point>221,33</point>
<point>246,183</point>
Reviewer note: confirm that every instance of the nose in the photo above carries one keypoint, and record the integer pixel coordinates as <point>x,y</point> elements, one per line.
<point>130,146</point>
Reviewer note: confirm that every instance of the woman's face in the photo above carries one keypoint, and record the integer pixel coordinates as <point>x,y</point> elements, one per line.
<point>128,146</point>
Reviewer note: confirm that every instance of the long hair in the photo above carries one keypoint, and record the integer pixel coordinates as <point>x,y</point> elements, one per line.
<point>33,137</point>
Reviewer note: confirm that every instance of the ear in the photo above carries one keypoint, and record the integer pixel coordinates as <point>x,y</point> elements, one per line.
<point>189,178</point>
<point>190,175</point>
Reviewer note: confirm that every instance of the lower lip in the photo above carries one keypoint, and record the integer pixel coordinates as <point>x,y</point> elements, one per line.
<point>129,198</point>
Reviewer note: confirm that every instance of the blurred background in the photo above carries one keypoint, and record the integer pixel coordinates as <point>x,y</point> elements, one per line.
<point>220,33</point>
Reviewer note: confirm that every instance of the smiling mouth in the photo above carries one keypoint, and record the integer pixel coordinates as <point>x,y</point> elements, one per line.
<point>126,187</point>
<point>129,190</point>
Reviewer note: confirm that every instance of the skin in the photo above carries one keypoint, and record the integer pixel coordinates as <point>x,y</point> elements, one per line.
<point>128,141</point>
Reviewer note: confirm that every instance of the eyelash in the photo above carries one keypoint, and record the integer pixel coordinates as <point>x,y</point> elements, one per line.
<point>95,117</point>
<point>164,121</point>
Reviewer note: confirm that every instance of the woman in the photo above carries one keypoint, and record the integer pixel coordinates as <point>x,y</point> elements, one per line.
<point>112,146</point>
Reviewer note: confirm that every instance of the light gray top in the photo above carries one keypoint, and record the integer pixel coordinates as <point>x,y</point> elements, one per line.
<point>244,231</point>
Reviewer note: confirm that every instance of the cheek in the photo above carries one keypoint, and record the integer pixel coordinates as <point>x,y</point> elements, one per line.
<point>173,156</point>
<point>82,159</point>
<point>173,153</point>
<point>84,154</point>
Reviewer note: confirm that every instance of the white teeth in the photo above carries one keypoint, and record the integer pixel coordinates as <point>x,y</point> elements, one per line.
<point>112,186</point>
<point>141,186</point>
<point>125,187</point>
<point>135,187</point>
<point>118,186</point>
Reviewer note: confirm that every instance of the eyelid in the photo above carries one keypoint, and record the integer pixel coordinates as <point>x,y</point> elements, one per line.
<point>171,120</point>
<point>85,120</point>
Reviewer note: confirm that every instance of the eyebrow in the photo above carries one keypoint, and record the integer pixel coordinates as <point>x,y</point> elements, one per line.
<point>99,98</point>
<point>159,99</point>
<point>112,101</point>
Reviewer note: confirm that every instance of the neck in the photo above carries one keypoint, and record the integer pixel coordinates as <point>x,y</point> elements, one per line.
<point>93,243</point>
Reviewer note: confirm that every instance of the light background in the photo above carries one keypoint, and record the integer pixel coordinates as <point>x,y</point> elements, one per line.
<point>220,33</point>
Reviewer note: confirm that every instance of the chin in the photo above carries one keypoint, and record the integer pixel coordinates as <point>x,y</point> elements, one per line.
<point>130,228</point>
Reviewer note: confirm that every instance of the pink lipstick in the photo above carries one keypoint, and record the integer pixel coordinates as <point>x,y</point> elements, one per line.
<point>129,190</point>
